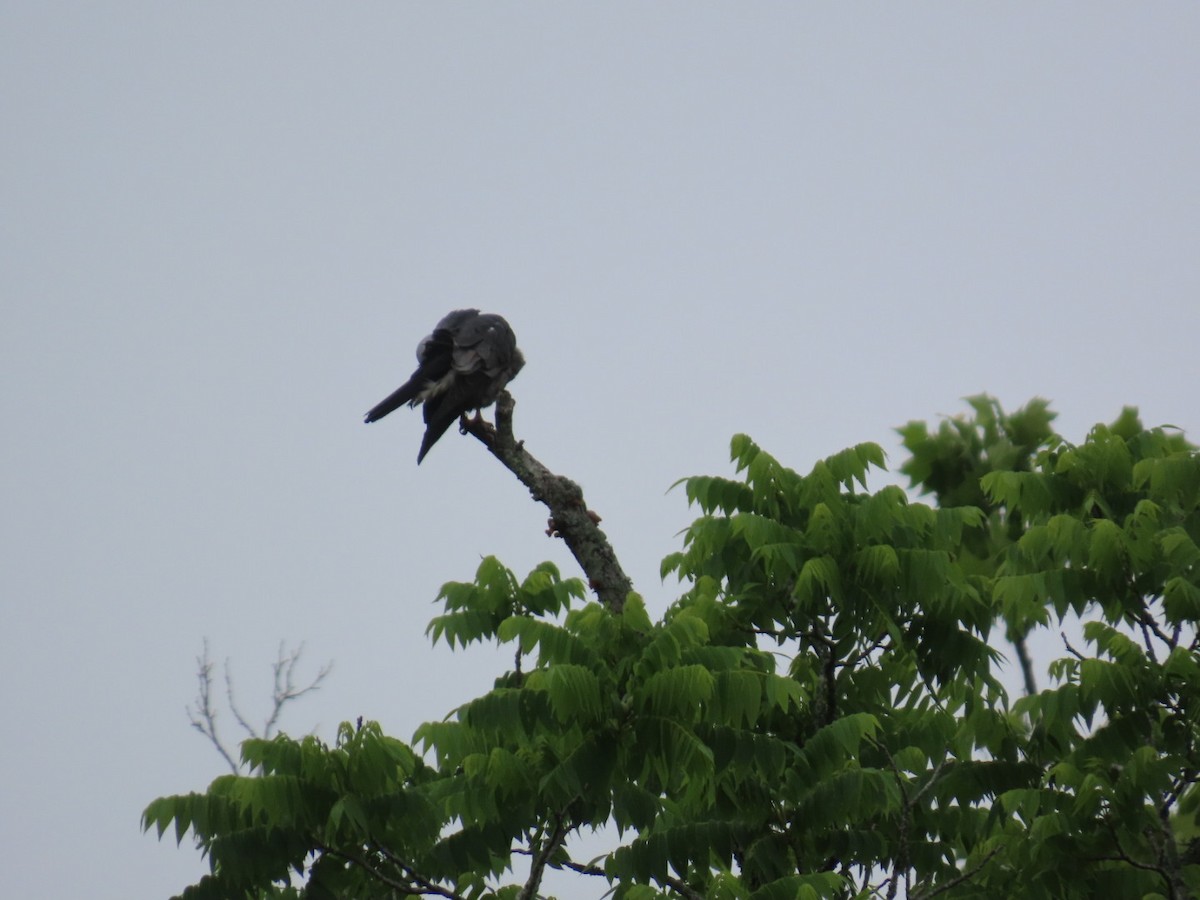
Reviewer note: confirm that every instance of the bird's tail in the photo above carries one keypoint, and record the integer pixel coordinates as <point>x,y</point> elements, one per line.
<point>406,393</point>
<point>435,427</point>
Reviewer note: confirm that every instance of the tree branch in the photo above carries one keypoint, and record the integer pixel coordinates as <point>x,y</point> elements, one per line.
<point>204,714</point>
<point>415,886</point>
<point>204,717</point>
<point>595,871</point>
<point>825,650</point>
<point>570,518</point>
<point>966,875</point>
<point>237,713</point>
<point>1018,642</point>
<point>1149,625</point>
<point>537,868</point>
<point>1066,643</point>
<point>285,684</point>
<point>1163,841</point>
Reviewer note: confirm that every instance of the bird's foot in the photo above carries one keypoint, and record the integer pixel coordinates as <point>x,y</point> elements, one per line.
<point>478,426</point>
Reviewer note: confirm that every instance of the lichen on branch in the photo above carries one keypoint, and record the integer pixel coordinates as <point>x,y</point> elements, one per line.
<point>570,517</point>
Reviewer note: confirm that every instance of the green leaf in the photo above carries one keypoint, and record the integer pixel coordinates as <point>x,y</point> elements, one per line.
<point>803,887</point>
<point>677,692</point>
<point>819,579</point>
<point>574,692</point>
<point>879,563</point>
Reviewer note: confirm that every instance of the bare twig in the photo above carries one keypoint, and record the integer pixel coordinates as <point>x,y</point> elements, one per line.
<point>1147,622</point>
<point>285,684</point>
<point>570,518</point>
<point>237,713</point>
<point>204,714</point>
<point>285,689</point>
<point>1066,643</point>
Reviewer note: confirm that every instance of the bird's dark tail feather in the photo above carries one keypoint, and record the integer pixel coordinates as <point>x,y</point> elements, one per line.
<point>435,427</point>
<point>393,401</point>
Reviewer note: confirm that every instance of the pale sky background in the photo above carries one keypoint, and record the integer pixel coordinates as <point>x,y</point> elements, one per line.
<point>226,225</point>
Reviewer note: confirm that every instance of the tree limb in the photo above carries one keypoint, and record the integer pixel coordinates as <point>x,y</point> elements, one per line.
<point>285,684</point>
<point>204,714</point>
<point>204,717</point>
<point>1018,642</point>
<point>966,875</point>
<point>415,886</point>
<point>1066,643</point>
<point>595,871</point>
<point>570,518</point>
<point>825,650</point>
<point>537,868</point>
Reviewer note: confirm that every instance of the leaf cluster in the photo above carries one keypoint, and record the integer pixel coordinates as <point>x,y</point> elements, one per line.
<point>820,713</point>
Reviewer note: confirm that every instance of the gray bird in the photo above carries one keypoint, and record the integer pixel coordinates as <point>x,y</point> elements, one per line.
<point>462,366</point>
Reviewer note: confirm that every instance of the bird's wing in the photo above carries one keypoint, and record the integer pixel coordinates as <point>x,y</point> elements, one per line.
<point>445,333</point>
<point>435,356</point>
<point>485,350</point>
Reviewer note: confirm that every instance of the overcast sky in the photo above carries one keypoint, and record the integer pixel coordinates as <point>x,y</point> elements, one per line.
<point>224,227</point>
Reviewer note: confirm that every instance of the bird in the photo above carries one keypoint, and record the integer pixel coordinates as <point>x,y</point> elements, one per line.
<point>463,365</point>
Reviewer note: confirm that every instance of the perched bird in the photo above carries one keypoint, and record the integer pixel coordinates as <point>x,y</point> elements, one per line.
<point>462,366</point>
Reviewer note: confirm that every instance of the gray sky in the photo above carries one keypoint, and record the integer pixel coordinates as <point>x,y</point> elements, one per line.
<point>226,225</point>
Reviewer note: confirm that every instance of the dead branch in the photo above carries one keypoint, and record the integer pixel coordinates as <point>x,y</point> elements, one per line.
<point>569,516</point>
<point>204,714</point>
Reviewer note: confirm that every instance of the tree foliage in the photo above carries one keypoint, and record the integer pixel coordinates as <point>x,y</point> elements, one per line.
<point>819,714</point>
